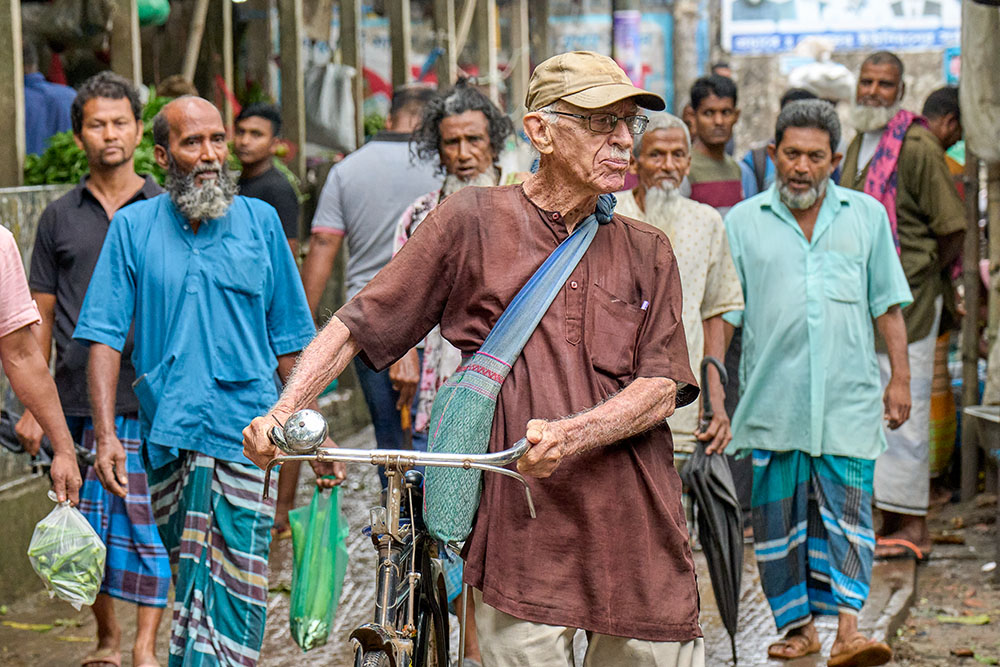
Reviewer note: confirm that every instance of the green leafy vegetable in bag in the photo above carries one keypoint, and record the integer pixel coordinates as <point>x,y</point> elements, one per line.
<point>319,534</point>
<point>68,555</point>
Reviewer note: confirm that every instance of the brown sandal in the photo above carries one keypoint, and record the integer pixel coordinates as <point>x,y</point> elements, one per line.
<point>801,644</point>
<point>862,652</point>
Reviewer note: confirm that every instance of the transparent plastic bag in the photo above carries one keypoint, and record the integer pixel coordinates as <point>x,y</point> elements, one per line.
<point>68,555</point>
<point>319,534</point>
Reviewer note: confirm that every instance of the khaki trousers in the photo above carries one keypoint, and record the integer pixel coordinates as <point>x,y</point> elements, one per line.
<point>506,641</point>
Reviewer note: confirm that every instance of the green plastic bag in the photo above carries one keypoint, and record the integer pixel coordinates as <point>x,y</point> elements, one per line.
<point>68,555</point>
<point>319,534</point>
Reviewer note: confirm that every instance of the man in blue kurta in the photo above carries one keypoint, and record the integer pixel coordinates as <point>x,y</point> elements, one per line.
<point>217,304</point>
<point>817,264</point>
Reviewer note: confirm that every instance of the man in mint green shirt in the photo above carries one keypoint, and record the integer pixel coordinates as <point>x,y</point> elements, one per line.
<point>817,264</point>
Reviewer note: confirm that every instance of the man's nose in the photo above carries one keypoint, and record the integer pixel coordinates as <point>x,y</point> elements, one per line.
<point>464,150</point>
<point>621,136</point>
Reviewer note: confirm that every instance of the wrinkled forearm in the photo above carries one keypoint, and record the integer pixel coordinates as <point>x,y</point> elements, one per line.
<point>635,409</point>
<point>317,366</point>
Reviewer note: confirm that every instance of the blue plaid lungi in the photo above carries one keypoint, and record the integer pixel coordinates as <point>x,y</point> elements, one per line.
<point>137,569</point>
<point>812,522</point>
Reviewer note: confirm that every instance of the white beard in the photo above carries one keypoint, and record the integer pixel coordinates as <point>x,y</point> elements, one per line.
<point>663,202</point>
<point>868,119</point>
<point>453,183</point>
<point>802,200</point>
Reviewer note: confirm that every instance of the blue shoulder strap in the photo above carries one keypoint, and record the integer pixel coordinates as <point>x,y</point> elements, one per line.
<point>518,321</point>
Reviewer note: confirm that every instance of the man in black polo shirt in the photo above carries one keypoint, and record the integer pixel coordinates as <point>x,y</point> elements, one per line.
<point>107,125</point>
<point>258,127</point>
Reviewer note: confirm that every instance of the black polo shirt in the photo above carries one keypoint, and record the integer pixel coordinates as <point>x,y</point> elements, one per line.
<point>274,188</point>
<point>70,235</point>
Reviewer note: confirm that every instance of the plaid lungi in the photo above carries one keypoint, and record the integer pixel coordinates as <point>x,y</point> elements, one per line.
<point>217,532</point>
<point>812,523</point>
<point>137,569</point>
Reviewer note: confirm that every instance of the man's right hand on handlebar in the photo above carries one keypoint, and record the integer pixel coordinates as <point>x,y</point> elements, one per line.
<point>258,448</point>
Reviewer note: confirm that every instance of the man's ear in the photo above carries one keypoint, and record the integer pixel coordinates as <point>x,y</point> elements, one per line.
<point>736,116</point>
<point>633,165</point>
<point>687,115</point>
<point>539,132</point>
<point>77,141</point>
<point>835,162</point>
<point>161,157</point>
<point>772,152</point>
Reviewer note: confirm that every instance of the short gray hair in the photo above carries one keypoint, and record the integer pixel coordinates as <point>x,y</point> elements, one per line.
<point>817,114</point>
<point>661,120</point>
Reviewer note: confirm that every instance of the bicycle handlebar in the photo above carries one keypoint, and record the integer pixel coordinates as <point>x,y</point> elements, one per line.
<point>401,458</point>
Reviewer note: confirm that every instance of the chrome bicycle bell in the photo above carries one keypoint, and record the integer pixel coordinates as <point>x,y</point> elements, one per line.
<point>305,432</point>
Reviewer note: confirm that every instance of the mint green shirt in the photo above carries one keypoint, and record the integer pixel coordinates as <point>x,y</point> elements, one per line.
<point>809,374</point>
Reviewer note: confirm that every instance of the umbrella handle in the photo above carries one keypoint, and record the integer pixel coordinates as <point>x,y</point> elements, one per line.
<point>706,401</point>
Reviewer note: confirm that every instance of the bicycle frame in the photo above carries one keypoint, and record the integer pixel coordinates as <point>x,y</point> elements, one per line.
<point>400,543</point>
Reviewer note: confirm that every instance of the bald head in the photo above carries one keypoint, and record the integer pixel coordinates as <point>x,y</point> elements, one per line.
<point>175,111</point>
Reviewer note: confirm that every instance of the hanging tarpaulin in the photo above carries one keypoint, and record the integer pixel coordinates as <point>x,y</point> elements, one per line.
<point>979,90</point>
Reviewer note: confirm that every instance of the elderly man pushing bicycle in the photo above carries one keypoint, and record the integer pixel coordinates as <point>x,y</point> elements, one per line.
<point>590,389</point>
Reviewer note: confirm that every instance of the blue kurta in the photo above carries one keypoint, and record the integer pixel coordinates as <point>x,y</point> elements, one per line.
<point>809,374</point>
<point>212,313</point>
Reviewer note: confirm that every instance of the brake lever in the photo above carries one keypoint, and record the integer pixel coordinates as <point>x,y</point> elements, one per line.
<point>521,479</point>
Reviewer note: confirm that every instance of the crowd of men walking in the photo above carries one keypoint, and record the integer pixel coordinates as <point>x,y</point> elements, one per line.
<point>172,312</point>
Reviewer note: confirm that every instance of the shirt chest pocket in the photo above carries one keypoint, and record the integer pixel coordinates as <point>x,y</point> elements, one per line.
<point>612,332</point>
<point>241,268</point>
<point>843,277</point>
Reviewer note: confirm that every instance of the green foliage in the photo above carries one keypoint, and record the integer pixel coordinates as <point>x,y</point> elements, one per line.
<point>63,162</point>
<point>373,123</point>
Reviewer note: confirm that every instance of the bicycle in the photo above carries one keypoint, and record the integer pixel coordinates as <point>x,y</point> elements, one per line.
<point>410,625</point>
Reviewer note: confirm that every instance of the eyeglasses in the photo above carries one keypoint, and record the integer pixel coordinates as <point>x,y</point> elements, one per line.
<point>605,123</point>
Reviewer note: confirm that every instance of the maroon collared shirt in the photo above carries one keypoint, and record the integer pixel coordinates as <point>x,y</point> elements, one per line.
<point>609,550</point>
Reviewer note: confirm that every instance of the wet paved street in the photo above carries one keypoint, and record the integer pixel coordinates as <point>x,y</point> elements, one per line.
<point>66,643</point>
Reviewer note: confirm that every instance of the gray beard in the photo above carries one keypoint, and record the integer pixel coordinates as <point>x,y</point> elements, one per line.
<point>868,119</point>
<point>802,200</point>
<point>453,183</point>
<point>663,201</point>
<point>208,201</point>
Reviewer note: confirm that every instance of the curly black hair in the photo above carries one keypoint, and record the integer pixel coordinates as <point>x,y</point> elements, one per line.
<point>425,142</point>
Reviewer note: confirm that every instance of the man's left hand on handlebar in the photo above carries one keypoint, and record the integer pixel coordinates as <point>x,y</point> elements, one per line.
<point>549,444</point>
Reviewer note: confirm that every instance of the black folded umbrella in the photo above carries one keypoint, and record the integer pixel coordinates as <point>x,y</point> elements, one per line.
<point>718,515</point>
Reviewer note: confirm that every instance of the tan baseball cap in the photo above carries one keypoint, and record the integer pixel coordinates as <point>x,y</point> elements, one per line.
<point>587,80</point>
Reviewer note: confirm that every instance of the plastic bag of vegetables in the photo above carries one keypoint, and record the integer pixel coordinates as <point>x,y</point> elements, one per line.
<point>319,533</point>
<point>68,555</point>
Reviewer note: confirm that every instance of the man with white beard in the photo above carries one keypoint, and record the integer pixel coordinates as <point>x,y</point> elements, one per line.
<point>708,278</point>
<point>900,162</point>
<point>466,133</point>
<point>217,304</point>
<point>817,266</point>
